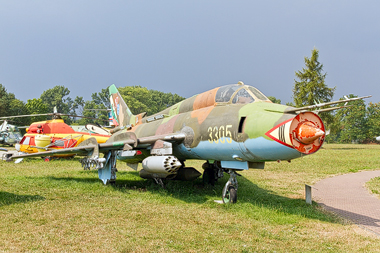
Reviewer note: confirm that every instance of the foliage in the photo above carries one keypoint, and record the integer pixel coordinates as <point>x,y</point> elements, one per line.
<point>374,186</point>
<point>353,122</point>
<point>311,87</point>
<point>16,107</point>
<point>95,113</point>
<point>140,99</point>
<point>6,99</point>
<point>57,97</point>
<point>77,106</point>
<point>274,100</point>
<point>357,123</point>
<point>373,120</point>
<point>10,105</point>
<point>102,98</point>
<point>36,106</point>
<point>136,98</point>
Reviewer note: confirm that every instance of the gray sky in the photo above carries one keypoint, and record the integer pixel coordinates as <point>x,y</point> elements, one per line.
<point>186,47</point>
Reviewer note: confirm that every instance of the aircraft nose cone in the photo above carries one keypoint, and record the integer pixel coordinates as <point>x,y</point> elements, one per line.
<point>308,132</point>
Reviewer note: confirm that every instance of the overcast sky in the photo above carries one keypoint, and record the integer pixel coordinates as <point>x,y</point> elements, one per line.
<point>187,47</point>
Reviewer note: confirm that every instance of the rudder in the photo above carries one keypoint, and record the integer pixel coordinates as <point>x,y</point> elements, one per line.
<point>119,109</point>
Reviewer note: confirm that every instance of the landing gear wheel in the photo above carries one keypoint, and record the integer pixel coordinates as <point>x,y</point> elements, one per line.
<point>230,194</point>
<point>47,159</point>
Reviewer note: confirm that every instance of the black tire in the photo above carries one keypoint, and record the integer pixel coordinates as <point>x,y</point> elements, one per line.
<point>231,195</point>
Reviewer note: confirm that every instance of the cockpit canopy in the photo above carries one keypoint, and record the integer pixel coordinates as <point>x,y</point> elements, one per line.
<point>229,94</point>
<point>239,94</point>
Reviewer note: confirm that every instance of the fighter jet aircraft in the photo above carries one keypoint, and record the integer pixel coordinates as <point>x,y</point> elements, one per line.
<point>233,128</point>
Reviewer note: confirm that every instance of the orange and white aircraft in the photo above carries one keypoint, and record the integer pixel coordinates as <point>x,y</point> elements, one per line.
<point>56,134</point>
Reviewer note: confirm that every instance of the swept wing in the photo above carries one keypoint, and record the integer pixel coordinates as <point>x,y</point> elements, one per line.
<point>87,147</point>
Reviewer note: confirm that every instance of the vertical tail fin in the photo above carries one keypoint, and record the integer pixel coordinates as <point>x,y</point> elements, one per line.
<point>119,109</point>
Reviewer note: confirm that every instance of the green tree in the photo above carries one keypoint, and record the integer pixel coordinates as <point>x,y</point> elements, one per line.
<point>373,120</point>
<point>5,102</point>
<point>137,98</point>
<point>351,123</point>
<point>140,99</point>
<point>101,103</point>
<point>102,98</point>
<point>161,100</point>
<point>311,87</point>
<point>57,97</point>
<point>95,113</point>
<point>11,106</point>
<point>16,107</point>
<point>36,106</point>
<point>77,106</point>
<point>274,100</point>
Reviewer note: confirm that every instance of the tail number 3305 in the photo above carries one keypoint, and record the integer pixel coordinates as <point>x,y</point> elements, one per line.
<point>222,134</point>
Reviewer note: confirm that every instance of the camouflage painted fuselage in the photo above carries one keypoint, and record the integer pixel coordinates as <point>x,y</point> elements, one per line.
<point>225,132</point>
<point>220,125</point>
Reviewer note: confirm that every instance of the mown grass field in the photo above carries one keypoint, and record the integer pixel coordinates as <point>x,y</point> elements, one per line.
<point>57,207</point>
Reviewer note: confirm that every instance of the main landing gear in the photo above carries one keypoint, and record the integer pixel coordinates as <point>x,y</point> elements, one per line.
<point>212,172</point>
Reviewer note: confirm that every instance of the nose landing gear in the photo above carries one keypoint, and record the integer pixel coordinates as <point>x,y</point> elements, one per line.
<point>229,194</point>
<point>212,172</point>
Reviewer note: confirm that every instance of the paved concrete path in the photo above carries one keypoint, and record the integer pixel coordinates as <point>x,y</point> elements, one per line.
<point>347,196</point>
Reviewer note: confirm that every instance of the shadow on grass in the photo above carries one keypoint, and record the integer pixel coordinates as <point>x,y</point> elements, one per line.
<point>7,198</point>
<point>196,192</point>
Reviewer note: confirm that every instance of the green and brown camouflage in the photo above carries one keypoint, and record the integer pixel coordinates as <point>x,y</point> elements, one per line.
<point>233,127</point>
<point>222,119</point>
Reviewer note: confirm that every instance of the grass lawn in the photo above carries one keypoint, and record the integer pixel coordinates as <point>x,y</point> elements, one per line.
<point>374,186</point>
<point>56,206</point>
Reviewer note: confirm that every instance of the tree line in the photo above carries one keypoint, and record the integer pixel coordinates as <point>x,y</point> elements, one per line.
<point>139,99</point>
<point>359,123</point>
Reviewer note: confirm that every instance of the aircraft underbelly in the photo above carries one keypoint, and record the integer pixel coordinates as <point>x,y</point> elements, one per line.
<point>268,150</point>
<point>252,150</point>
